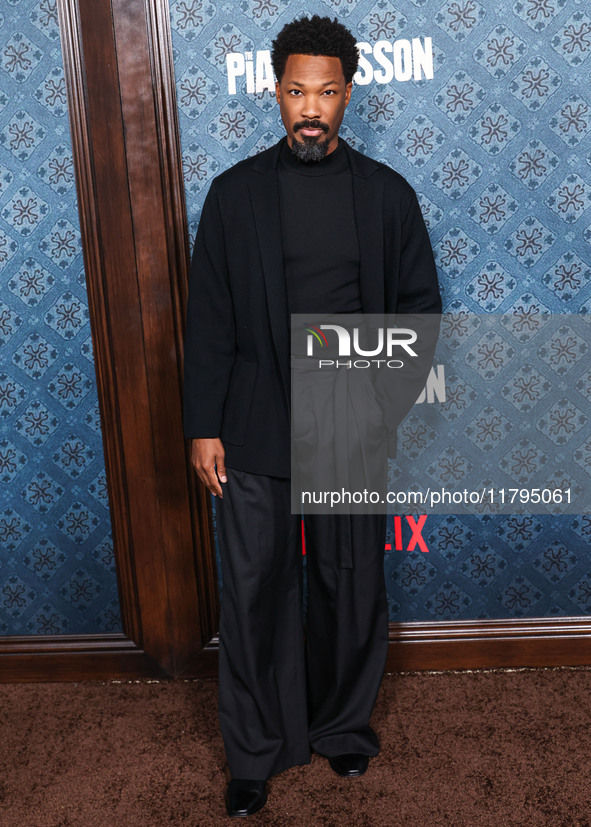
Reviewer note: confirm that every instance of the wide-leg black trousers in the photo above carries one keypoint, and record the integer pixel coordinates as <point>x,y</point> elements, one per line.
<point>278,696</point>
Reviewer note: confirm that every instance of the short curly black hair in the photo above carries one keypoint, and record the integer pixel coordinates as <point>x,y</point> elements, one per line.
<point>315,36</point>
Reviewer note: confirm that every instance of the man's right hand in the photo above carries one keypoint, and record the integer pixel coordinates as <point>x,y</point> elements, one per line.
<point>206,454</point>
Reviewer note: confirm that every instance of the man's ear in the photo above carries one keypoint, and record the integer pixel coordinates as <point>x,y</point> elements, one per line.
<point>277,92</point>
<point>348,90</point>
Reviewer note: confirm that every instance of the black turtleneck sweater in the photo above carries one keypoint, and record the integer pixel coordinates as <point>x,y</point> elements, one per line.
<point>320,245</point>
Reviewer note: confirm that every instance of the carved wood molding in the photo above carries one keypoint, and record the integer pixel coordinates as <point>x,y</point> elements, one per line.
<point>177,233</point>
<point>69,17</point>
<point>120,82</point>
<point>479,644</point>
<point>52,658</point>
<point>126,149</point>
<point>445,645</point>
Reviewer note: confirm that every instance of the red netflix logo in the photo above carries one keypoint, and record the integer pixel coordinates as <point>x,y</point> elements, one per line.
<point>416,527</point>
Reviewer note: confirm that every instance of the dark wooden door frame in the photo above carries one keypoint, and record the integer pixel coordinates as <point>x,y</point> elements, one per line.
<point>121,95</point>
<point>123,115</point>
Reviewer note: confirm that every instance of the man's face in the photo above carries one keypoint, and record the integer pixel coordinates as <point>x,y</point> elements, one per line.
<point>312,98</point>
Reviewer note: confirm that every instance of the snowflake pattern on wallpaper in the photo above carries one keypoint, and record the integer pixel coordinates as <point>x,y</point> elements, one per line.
<point>57,570</point>
<point>497,147</point>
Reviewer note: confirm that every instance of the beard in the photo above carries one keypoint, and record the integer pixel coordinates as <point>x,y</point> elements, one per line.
<point>309,148</point>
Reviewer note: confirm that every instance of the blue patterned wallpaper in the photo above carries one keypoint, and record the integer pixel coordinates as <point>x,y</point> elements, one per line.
<point>497,144</point>
<point>57,571</point>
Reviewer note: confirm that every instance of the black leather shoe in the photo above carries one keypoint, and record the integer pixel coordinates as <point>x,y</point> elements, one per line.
<point>350,765</point>
<point>245,796</point>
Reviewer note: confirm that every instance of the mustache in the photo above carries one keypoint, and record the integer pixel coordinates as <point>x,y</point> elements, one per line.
<point>314,124</point>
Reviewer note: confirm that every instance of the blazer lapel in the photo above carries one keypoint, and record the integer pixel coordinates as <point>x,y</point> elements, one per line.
<point>264,193</point>
<point>367,199</point>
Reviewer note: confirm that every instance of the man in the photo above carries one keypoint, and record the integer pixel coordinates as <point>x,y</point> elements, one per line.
<point>307,226</point>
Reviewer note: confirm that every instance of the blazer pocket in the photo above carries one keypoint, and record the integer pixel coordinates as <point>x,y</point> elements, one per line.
<point>238,402</point>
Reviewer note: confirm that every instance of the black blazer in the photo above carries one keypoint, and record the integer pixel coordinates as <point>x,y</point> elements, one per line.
<point>236,383</point>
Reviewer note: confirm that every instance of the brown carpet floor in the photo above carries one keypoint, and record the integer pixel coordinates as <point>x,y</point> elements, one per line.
<point>458,748</point>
